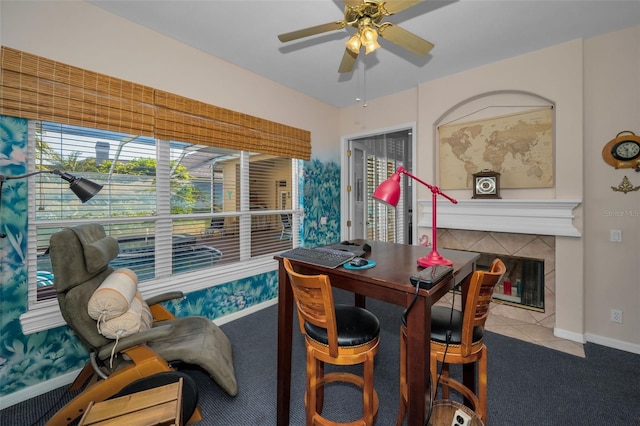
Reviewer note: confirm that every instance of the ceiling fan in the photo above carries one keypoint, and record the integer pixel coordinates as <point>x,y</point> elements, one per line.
<point>366,16</point>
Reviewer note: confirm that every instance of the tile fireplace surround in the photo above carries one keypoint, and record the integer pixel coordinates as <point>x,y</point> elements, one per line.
<point>526,228</point>
<point>524,245</point>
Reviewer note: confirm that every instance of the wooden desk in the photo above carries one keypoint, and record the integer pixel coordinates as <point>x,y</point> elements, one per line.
<point>389,282</point>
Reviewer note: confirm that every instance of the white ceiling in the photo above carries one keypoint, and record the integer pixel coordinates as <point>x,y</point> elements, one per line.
<point>466,34</point>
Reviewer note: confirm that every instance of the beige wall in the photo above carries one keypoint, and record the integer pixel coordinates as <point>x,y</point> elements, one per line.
<point>80,34</point>
<point>612,270</point>
<point>595,95</point>
<point>391,111</point>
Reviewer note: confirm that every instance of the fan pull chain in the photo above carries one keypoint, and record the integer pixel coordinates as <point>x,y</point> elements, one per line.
<point>364,73</point>
<point>357,86</point>
<point>364,80</point>
<point>364,84</point>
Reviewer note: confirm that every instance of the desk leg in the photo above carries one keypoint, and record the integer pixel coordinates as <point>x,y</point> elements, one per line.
<point>285,327</point>
<point>418,353</point>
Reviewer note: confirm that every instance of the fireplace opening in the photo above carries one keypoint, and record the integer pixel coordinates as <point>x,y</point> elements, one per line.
<point>523,283</point>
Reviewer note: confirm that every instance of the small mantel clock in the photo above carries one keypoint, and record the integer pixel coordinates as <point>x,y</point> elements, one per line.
<point>486,184</point>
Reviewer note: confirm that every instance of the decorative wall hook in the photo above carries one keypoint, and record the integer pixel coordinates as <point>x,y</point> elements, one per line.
<point>625,186</point>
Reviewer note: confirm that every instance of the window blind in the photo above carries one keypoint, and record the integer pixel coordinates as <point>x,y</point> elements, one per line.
<point>38,88</point>
<point>174,207</point>
<point>187,120</point>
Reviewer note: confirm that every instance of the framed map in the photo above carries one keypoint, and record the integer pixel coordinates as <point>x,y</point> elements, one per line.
<point>518,146</point>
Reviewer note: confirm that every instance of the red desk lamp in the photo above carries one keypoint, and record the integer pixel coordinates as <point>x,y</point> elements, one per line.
<point>388,192</point>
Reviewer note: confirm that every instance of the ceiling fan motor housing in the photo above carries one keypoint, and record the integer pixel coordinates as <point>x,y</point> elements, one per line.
<point>371,12</point>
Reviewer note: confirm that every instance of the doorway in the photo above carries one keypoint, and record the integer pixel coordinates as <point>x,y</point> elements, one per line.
<point>370,160</point>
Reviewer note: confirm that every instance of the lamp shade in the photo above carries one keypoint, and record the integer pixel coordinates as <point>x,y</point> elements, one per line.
<point>388,191</point>
<point>83,188</point>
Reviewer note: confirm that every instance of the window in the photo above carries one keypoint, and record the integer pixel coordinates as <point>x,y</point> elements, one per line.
<point>176,220</point>
<point>178,210</point>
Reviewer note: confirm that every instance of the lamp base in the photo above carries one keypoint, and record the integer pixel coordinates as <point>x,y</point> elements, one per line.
<point>433,258</point>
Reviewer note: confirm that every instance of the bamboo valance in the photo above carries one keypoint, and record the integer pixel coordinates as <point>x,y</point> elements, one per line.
<point>38,88</point>
<point>183,119</point>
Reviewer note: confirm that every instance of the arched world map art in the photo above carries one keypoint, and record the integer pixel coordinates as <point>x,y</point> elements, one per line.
<point>518,146</point>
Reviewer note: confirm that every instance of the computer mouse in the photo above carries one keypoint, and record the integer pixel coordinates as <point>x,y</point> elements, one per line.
<point>358,261</point>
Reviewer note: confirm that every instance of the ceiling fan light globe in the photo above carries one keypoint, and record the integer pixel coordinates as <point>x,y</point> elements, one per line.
<point>353,44</point>
<point>369,37</point>
<point>371,46</point>
<point>367,34</point>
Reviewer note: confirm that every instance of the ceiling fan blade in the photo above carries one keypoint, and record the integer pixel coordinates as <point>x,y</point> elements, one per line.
<point>405,39</point>
<point>306,32</point>
<point>395,6</point>
<point>348,60</point>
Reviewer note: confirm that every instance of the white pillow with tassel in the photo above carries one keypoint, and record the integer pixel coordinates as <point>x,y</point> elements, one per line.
<point>114,296</point>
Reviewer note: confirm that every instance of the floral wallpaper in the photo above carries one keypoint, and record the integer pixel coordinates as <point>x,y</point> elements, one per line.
<point>321,198</point>
<point>26,360</point>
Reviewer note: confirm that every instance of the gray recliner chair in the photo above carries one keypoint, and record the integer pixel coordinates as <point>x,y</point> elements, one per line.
<point>80,259</point>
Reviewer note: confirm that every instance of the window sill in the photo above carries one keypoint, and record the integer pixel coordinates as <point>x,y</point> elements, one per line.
<point>46,315</point>
<point>43,316</point>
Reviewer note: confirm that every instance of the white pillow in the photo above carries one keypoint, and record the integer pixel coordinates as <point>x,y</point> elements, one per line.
<point>114,295</point>
<point>126,324</point>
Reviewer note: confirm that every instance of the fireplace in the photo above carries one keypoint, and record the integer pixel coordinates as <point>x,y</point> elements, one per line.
<point>516,228</point>
<point>523,284</point>
<point>509,246</point>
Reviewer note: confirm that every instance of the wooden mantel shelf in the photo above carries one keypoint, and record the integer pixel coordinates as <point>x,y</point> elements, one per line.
<point>539,217</point>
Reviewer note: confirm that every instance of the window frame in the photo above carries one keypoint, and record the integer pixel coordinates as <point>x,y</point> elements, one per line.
<point>45,314</point>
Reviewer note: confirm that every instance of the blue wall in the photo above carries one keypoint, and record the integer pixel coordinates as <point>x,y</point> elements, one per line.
<point>26,360</point>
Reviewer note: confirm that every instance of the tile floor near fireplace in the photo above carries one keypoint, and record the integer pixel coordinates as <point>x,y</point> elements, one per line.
<point>532,333</point>
<point>522,330</point>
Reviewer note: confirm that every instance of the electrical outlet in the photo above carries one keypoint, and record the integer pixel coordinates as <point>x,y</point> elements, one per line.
<point>616,236</point>
<point>460,418</point>
<point>616,316</point>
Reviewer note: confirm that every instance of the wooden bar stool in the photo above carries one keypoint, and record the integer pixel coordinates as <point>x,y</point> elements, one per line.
<point>338,335</point>
<point>459,335</point>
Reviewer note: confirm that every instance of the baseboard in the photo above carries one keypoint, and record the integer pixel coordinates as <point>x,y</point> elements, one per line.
<point>569,335</point>
<point>599,340</point>
<point>613,343</point>
<point>68,378</point>
<point>244,312</point>
<point>35,390</point>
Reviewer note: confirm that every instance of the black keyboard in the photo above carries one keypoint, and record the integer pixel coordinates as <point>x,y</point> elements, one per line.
<point>321,257</point>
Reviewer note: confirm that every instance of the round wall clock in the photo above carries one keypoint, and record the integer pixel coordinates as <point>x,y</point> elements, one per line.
<point>623,151</point>
<point>486,184</point>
